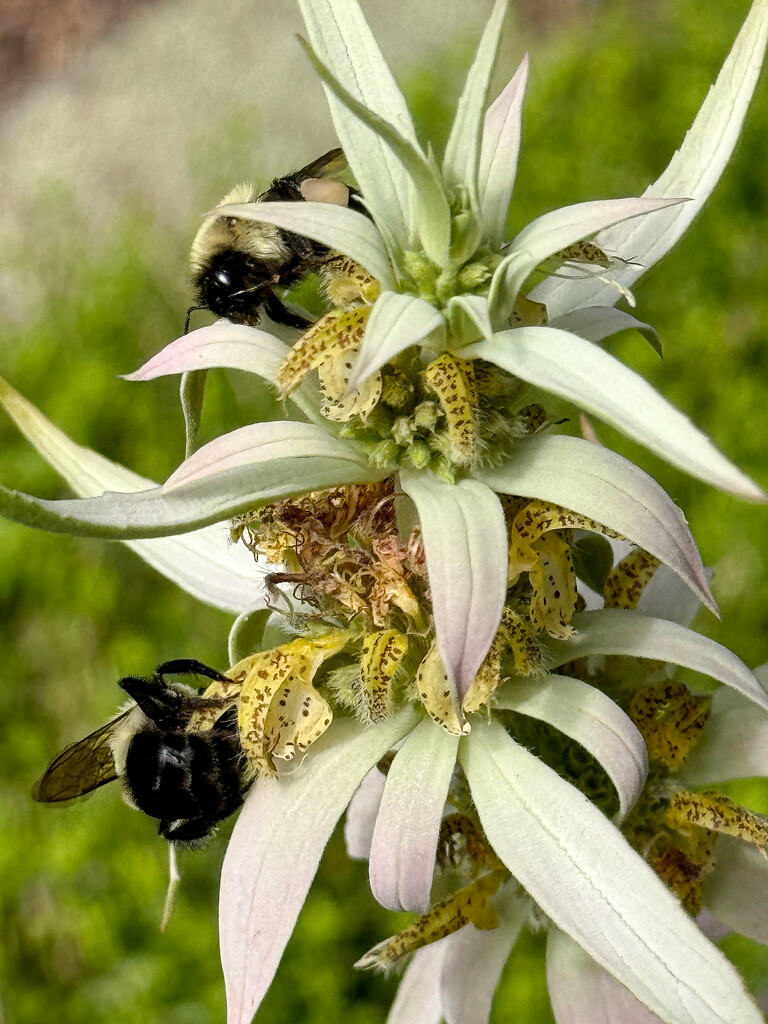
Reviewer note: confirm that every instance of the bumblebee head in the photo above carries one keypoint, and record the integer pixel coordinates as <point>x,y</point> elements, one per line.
<point>234,284</point>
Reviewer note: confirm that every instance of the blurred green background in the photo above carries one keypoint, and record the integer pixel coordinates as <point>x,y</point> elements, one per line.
<point>613,88</point>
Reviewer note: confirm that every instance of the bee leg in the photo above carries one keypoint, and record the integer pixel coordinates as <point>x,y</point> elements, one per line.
<point>189,667</point>
<point>280,314</point>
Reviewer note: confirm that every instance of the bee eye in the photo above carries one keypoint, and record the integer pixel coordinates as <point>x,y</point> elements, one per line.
<point>223,278</point>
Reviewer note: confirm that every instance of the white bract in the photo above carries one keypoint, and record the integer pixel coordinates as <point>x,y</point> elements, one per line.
<point>457,303</point>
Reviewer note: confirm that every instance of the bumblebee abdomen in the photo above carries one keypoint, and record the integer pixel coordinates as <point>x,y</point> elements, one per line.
<point>180,777</point>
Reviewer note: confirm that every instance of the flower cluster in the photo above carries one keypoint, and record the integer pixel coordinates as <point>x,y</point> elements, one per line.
<point>452,620</point>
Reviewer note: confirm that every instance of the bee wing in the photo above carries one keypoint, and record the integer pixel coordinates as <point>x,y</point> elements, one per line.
<point>81,768</point>
<point>330,163</point>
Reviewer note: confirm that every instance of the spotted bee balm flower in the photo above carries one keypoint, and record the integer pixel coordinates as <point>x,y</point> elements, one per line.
<point>438,633</point>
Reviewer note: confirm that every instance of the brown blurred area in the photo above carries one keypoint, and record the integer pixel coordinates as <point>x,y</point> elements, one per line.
<point>40,37</point>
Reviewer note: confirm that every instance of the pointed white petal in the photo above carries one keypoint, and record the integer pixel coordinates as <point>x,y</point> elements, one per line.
<point>246,446</point>
<point>732,745</point>
<point>554,231</point>
<point>592,719</point>
<point>235,473</point>
<point>404,845</point>
<point>418,999</point>
<point>737,891</point>
<point>617,631</point>
<point>276,847</point>
<point>667,597</point>
<point>234,347</point>
<point>465,545</point>
<point>344,42</point>
<point>462,152</point>
<point>397,321</point>
<point>598,322</point>
<point>469,317</point>
<point>597,483</point>
<point>429,215</point>
<point>583,993</point>
<point>474,960</point>
<point>203,562</point>
<point>498,157</point>
<point>693,171</point>
<point>361,815</point>
<point>338,227</point>
<point>584,875</point>
<point>583,373</point>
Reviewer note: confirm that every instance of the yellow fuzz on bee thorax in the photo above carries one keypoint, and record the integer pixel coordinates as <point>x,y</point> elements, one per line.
<point>263,241</point>
<point>381,656</point>
<point>341,330</point>
<point>438,694</point>
<point>629,578</point>
<point>280,713</point>
<point>452,381</point>
<point>717,813</point>
<point>670,719</point>
<point>472,905</point>
<point>346,282</point>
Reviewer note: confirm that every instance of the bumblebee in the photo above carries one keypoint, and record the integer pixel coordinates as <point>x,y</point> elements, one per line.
<point>189,779</point>
<point>238,265</point>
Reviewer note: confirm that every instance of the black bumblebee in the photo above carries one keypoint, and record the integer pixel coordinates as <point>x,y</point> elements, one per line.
<point>190,779</point>
<point>237,264</point>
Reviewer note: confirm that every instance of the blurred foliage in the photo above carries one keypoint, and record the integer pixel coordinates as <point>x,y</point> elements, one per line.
<point>82,889</point>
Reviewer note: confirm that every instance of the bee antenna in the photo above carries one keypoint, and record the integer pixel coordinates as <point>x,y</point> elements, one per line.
<point>190,311</point>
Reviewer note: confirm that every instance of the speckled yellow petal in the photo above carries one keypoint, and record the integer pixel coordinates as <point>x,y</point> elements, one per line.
<point>346,282</point>
<point>204,719</point>
<point>670,719</point>
<point>381,656</point>
<point>718,813</point>
<point>534,520</point>
<point>337,331</point>
<point>625,584</point>
<point>439,695</point>
<point>685,870</point>
<point>472,904</point>
<point>453,383</point>
<point>267,673</point>
<point>553,580</point>
<point>584,252</point>
<point>522,643</point>
<point>488,678</point>
<point>528,313</point>
<point>334,374</point>
<point>297,716</point>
